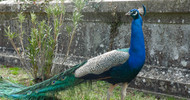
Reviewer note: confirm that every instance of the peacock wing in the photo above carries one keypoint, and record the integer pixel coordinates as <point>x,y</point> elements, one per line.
<point>102,63</point>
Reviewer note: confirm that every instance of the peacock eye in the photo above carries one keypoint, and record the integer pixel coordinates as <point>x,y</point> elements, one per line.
<point>134,13</point>
<point>30,92</point>
<point>53,82</point>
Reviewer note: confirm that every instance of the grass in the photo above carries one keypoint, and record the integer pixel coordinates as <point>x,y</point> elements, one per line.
<point>98,91</point>
<point>86,91</point>
<point>14,70</point>
<point>15,75</point>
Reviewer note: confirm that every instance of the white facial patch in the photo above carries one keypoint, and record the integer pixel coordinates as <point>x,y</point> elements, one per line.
<point>135,13</point>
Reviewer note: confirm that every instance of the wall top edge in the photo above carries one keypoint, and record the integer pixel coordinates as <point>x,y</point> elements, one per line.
<point>153,6</point>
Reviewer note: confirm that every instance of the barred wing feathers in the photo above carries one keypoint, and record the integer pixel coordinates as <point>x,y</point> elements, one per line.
<point>102,63</point>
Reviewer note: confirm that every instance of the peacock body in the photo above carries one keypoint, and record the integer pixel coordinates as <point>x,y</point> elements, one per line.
<point>116,66</point>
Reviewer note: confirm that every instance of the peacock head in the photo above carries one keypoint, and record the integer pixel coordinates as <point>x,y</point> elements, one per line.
<point>135,13</point>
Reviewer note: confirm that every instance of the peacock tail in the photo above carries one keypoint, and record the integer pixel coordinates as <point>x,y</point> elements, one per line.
<point>41,91</point>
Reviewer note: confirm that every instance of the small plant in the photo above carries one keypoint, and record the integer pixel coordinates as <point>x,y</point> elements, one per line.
<point>3,66</point>
<point>42,42</point>
<point>14,70</point>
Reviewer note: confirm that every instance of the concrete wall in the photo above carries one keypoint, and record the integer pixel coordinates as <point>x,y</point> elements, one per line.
<point>104,27</point>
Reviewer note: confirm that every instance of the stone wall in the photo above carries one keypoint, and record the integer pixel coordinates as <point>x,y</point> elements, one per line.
<point>105,27</point>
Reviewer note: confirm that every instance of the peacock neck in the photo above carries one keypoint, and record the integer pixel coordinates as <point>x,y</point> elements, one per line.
<point>137,46</point>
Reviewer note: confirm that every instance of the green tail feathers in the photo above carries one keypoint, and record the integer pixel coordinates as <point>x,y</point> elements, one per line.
<point>41,90</point>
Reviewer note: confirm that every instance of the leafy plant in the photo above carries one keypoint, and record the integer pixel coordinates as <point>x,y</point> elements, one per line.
<point>43,39</point>
<point>76,18</point>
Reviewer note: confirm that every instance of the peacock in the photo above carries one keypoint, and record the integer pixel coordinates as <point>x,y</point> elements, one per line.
<point>118,66</point>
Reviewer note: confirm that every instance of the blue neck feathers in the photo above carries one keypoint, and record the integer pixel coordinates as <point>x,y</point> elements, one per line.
<point>137,46</point>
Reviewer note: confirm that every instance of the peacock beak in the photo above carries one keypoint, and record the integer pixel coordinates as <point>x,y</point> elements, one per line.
<point>128,13</point>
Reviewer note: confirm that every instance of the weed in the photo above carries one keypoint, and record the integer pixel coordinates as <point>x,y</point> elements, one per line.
<point>171,98</point>
<point>3,66</point>
<point>14,69</point>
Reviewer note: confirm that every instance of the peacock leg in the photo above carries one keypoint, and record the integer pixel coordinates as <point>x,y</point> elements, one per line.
<point>110,91</point>
<point>124,90</point>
